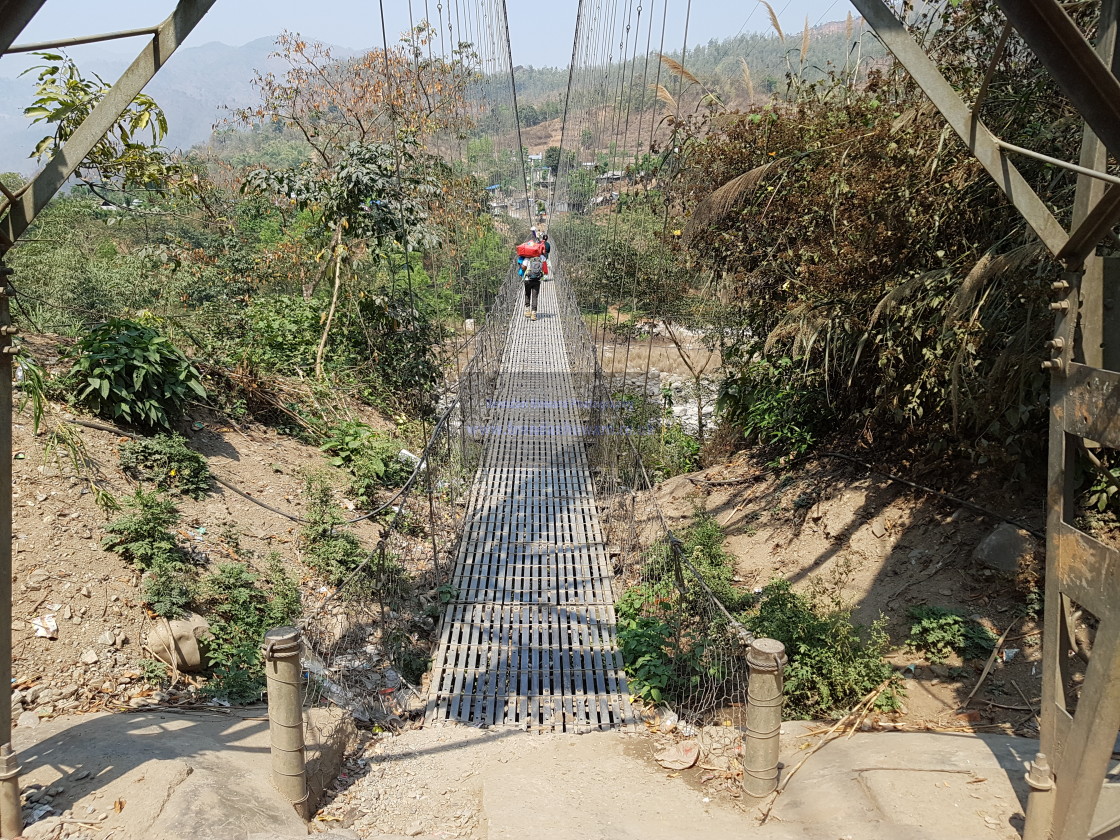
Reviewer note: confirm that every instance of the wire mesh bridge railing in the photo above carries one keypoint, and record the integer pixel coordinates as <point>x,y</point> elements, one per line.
<point>368,642</point>
<point>667,609</point>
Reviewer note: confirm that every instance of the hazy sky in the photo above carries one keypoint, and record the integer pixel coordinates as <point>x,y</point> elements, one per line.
<point>541,31</point>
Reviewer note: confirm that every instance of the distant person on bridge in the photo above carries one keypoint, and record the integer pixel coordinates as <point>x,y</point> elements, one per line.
<point>534,273</point>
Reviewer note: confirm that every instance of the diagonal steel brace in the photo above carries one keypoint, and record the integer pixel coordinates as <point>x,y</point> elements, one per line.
<point>14,16</point>
<point>979,139</point>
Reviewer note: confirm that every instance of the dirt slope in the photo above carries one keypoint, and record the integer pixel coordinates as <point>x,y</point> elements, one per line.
<point>60,570</point>
<point>883,547</point>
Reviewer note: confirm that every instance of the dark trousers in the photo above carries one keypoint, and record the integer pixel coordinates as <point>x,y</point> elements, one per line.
<point>532,291</point>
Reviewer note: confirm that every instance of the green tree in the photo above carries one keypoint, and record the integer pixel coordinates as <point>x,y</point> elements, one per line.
<point>64,97</point>
<point>581,187</point>
<point>374,195</point>
<point>556,161</point>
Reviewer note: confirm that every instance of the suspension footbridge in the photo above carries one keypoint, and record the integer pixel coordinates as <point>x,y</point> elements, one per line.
<point>529,638</point>
<point>508,585</point>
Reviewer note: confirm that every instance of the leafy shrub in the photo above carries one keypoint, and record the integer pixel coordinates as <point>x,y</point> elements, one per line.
<point>127,371</point>
<point>154,672</point>
<point>671,642</point>
<point>938,633</point>
<point>372,457</point>
<point>666,448</point>
<point>336,556</point>
<point>677,453</point>
<point>831,665</point>
<point>1102,482</point>
<point>141,536</point>
<point>167,462</point>
<point>648,620</point>
<point>394,334</point>
<point>770,409</point>
<point>169,587</point>
<point>900,341</point>
<point>702,546</point>
<point>282,332</point>
<point>241,607</point>
<point>332,553</point>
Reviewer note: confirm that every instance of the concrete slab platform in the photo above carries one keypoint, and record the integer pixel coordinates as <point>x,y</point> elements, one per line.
<point>874,786</point>
<point>933,784</point>
<point>172,776</point>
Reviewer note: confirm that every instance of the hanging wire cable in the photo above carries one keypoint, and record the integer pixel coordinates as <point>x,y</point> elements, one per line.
<point>369,631</point>
<point>607,234</point>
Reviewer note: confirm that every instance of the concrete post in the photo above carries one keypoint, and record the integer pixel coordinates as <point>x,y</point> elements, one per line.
<point>285,715</point>
<point>11,813</point>
<point>767,661</point>
<point>1040,800</point>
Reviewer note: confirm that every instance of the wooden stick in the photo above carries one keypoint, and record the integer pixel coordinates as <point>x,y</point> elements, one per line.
<point>868,700</point>
<point>1025,700</point>
<point>988,664</point>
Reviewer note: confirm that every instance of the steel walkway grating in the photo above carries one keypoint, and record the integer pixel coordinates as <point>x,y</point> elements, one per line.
<point>530,640</point>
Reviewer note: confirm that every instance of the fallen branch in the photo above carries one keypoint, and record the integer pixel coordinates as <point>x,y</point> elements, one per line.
<point>913,770</point>
<point>1009,707</point>
<point>1027,701</point>
<point>857,712</point>
<point>989,663</point>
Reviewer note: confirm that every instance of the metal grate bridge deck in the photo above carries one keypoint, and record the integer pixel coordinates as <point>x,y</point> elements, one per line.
<point>529,641</point>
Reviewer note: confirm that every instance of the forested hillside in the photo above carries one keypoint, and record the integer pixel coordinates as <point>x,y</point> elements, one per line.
<point>738,70</point>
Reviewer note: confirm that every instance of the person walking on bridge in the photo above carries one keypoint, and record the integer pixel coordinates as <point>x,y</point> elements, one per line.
<point>534,273</point>
<point>547,246</point>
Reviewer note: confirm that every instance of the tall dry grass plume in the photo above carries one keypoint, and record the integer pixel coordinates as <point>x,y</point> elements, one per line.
<point>663,94</point>
<point>727,198</point>
<point>678,69</point>
<point>774,20</point>
<point>748,82</point>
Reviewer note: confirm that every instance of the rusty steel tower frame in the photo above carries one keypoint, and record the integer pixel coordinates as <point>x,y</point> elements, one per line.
<point>1071,797</point>
<point>18,209</point>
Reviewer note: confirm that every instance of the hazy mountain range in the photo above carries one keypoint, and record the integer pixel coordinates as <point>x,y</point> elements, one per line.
<point>193,88</point>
